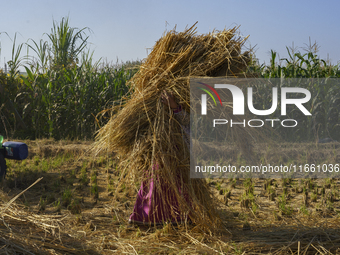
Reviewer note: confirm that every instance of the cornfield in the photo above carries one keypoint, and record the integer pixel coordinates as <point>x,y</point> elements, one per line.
<point>63,90</point>
<point>65,93</point>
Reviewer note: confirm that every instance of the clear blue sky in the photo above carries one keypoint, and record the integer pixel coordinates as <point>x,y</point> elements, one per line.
<point>124,30</point>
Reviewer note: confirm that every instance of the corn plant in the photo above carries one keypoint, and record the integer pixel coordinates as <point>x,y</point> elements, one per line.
<point>15,62</point>
<point>66,43</point>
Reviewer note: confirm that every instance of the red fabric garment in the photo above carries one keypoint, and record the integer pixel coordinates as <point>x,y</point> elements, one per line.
<point>150,206</point>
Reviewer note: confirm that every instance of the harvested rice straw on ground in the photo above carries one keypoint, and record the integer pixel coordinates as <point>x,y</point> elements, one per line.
<point>148,138</point>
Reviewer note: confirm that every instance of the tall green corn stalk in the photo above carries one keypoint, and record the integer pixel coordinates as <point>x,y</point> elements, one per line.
<point>10,88</point>
<point>43,52</point>
<point>66,44</point>
<point>15,62</point>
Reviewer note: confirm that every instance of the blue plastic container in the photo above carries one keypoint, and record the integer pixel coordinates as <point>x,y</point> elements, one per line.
<point>15,150</point>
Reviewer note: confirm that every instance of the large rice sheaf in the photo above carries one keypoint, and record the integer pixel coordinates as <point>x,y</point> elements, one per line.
<point>144,133</point>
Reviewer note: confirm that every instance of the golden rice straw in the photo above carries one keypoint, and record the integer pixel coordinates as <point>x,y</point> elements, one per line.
<point>144,132</point>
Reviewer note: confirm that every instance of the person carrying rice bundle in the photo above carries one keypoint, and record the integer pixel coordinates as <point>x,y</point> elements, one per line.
<point>149,133</point>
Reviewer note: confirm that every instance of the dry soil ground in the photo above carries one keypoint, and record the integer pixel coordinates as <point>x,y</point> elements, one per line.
<point>73,210</point>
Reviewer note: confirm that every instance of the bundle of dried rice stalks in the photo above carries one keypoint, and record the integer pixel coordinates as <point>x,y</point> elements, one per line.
<point>146,136</point>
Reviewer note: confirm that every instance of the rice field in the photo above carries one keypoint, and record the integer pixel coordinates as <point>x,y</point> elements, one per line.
<point>75,209</point>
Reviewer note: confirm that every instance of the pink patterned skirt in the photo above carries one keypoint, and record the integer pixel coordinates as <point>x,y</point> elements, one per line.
<point>154,206</point>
